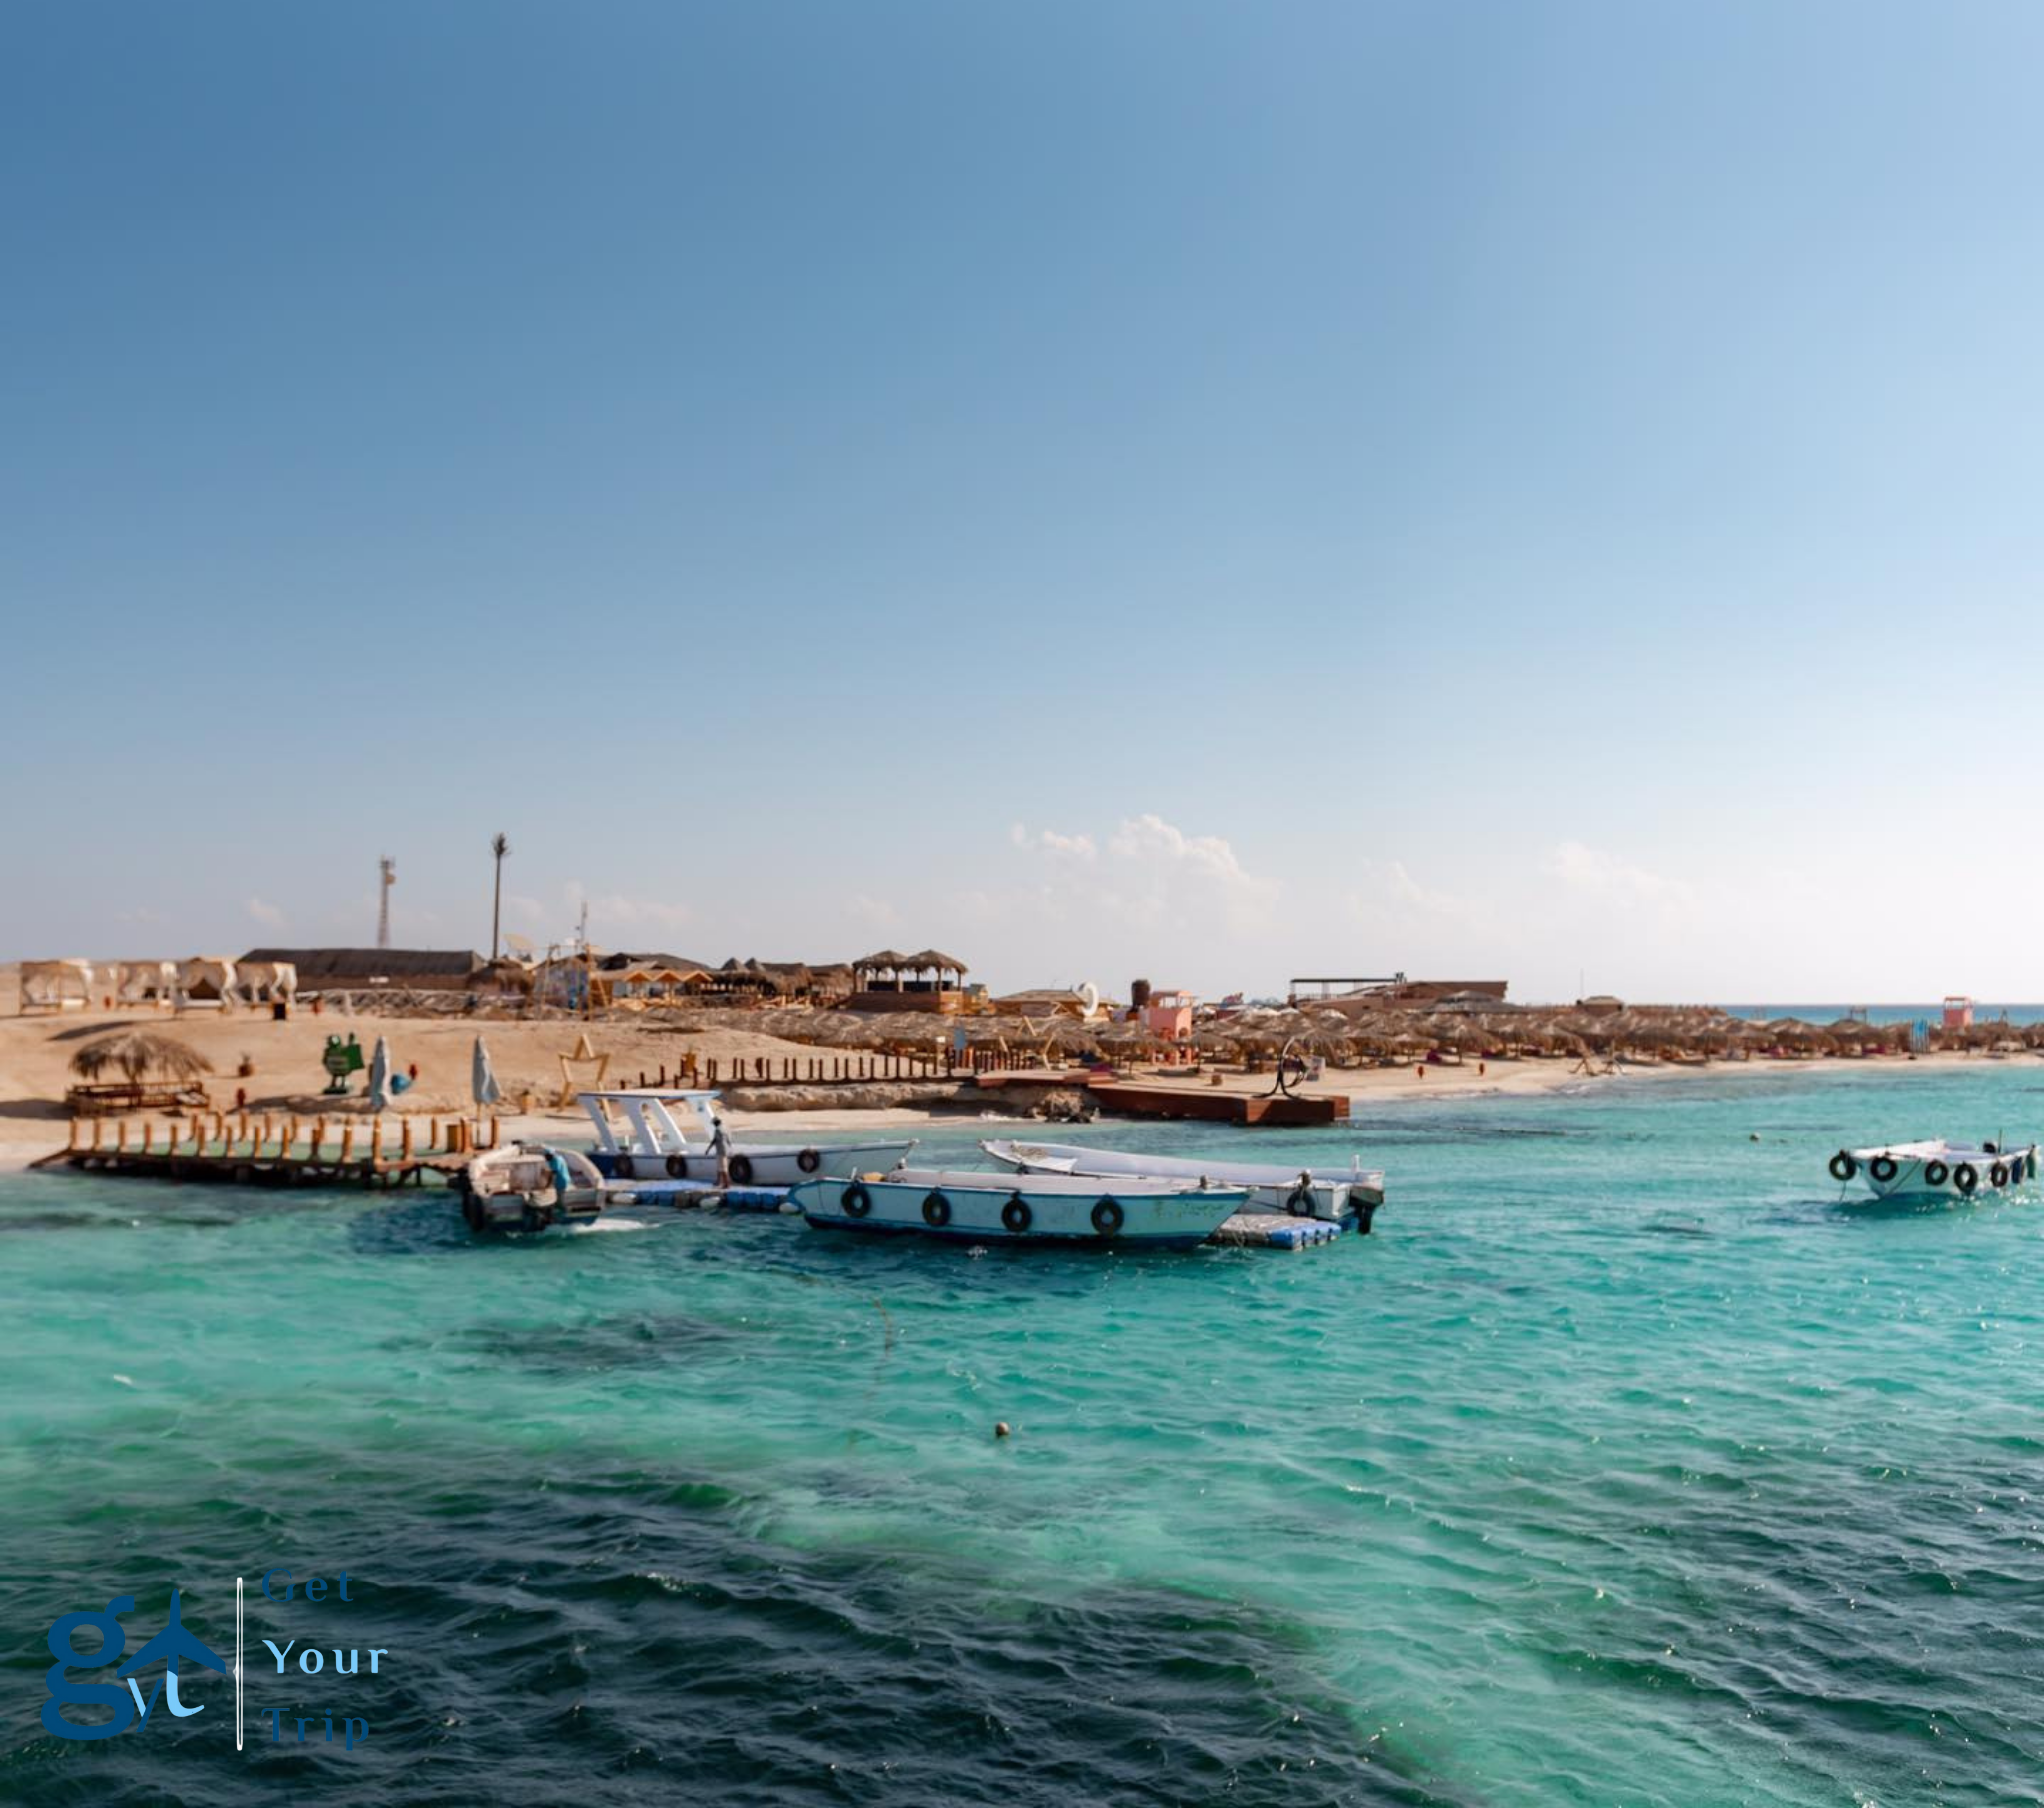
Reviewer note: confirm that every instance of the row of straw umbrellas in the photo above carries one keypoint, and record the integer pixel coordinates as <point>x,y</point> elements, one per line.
<point>1385,1035</point>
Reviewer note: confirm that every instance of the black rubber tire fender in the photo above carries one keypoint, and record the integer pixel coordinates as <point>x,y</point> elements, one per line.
<point>1935,1173</point>
<point>1965,1177</point>
<point>1844,1167</point>
<point>808,1160</point>
<point>1108,1216</point>
<point>1016,1218</point>
<point>1299,1201</point>
<point>624,1169</point>
<point>857,1201</point>
<point>1884,1169</point>
<point>1997,1175</point>
<point>741,1171</point>
<point>936,1211</point>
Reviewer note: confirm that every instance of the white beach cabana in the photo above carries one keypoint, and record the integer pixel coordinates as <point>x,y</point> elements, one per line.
<point>206,981</point>
<point>266,982</point>
<point>56,985</point>
<point>141,981</point>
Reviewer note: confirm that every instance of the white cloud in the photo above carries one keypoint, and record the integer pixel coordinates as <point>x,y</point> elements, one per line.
<point>1150,875</point>
<point>1049,841</point>
<point>875,913</point>
<point>614,910</point>
<point>265,913</point>
<point>1153,840</point>
<point>1612,878</point>
<point>1390,896</point>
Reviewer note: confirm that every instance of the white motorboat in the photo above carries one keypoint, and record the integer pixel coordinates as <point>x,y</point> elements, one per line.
<point>1933,1171</point>
<point>639,1139</point>
<point>988,1208</point>
<point>1300,1191</point>
<point>529,1186</point>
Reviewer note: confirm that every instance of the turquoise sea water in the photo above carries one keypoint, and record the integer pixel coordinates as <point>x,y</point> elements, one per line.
<point>1622,1464</point>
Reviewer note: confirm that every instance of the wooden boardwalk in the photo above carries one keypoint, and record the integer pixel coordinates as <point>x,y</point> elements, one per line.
<point>229,1149</point>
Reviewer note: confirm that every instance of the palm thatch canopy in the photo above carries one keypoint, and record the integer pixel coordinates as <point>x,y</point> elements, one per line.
<point>140,1054</point>
<point>888,959</point>
<point>932,960</point>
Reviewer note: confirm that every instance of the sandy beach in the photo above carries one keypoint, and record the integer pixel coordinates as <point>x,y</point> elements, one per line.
<point>284,1056</point>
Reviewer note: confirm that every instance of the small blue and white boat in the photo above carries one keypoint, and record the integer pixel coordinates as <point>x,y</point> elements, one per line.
<point>1301,1192</point>
<point>1041,1208</point>
<point>1935,1169</point>
<point>641,1140</point>
<point>528,1186</point>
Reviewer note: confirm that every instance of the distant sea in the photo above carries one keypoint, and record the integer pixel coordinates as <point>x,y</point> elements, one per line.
<point>1625,1464</point>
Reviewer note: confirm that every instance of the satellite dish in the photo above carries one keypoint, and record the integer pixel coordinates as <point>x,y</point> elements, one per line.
<point>1091,994</point>
<point>519,945</point>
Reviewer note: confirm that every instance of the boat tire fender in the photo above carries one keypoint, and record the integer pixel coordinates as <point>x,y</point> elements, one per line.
<point>1935,1173</point>
<point>623,1168</point>
<point>678,1167</point>
<point>857,1202</point>
<point>1299,1201</point>
<point>1998,1174</point>
<point>1964,1176</point>
<point>1108,1216</point>
<point>1016,1218</point>
<point>741,1171</point>
<point>1884,1169</point>
<point>808,1160</point>
<point>936,1211</point>
<point>1844,1167</point>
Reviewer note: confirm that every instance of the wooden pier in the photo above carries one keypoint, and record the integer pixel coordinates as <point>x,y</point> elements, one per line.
<point>1211,1104</point>
<point>243,1149</point>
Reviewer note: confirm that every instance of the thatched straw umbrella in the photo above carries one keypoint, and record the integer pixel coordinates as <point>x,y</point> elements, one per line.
<point>140,1054</point>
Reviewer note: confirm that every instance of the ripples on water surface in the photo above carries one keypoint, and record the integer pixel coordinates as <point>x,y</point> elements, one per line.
<point>1621,1465</point>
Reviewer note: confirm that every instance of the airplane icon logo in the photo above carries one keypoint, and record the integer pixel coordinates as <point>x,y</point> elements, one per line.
<point>174,1642</point>
<point>172,1646</point>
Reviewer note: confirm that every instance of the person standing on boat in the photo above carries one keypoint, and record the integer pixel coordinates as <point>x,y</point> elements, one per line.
<point>720,1150</point>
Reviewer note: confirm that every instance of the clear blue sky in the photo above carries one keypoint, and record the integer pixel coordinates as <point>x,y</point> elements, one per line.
<point>1209,492</point>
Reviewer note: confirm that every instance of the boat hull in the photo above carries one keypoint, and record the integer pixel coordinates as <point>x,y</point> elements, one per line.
<point>754,1166</point>
<point>529,1188</point>
<point>1929,1173</point>
<point>1297,1192</point>
<point>1071,1218</point>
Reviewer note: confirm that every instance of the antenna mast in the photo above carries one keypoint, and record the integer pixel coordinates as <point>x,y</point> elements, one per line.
<point>388,870</point>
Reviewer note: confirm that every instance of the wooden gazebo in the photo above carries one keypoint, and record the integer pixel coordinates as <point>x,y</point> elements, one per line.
<point>892,981</point>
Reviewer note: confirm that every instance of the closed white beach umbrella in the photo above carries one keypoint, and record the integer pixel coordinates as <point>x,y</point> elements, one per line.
<point>379,1076</point>
<point>483,1078</point>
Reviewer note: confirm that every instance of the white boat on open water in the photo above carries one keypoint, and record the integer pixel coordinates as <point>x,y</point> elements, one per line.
<point>989,1209</point>
<point>1301,1192</point>
<point>1936,1169</point>
<point>529,1186</point>
<point>640,1139</point>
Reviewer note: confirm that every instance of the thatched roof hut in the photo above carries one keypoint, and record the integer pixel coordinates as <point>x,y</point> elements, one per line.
<point>140,1054</point>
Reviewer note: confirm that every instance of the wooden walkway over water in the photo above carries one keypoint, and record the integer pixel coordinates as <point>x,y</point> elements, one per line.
<point>243,1149</point>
